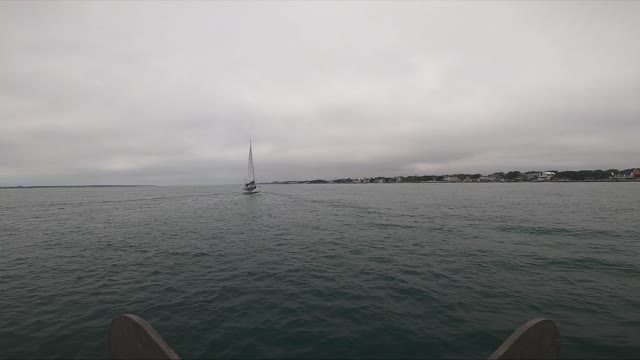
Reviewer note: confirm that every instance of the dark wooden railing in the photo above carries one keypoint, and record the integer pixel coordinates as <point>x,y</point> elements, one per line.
<point>130,337</point>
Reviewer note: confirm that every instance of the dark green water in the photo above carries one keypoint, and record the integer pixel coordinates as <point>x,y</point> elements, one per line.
<point>338,271</point>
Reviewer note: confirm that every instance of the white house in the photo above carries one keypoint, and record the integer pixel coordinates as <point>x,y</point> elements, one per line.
<point>546,175</point>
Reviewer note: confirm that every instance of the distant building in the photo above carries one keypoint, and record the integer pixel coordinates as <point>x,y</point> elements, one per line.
<point>496,177</point>
<point>451,179</point>
<point>467,179</point>
<point>546,176</point>
<point>636,173</point>
<point>626,174</point>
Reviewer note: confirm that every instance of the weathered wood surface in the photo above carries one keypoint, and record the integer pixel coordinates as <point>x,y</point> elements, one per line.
<point>130,337</point>
<point>536,339</point>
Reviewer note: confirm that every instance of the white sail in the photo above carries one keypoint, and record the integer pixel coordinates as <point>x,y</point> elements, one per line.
<point>250,187</point>
<point>252,176</point>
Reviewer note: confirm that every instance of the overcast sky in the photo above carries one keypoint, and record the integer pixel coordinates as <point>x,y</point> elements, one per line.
<point>168,93</point>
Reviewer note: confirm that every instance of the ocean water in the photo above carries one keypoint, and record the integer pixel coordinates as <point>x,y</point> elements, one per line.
<point>322,271</point>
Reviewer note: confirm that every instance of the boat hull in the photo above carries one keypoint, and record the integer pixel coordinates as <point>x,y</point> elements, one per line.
<point>251,190</point>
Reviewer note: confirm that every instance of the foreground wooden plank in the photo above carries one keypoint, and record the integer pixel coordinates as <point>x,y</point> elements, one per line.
<point>130,337</point>
<point>536,339</point>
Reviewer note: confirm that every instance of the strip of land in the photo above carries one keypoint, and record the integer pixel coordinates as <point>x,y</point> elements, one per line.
<point>610,175</point>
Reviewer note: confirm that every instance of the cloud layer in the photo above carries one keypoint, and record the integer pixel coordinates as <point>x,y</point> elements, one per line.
<point>169,93</point>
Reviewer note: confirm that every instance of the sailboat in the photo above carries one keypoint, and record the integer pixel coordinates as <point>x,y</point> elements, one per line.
<point>250,186</point>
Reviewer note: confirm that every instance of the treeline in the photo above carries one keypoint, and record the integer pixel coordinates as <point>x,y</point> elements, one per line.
<point>547,175</point>
<point>423,178</point>
<point>580,175</point>
<point>569,175</point>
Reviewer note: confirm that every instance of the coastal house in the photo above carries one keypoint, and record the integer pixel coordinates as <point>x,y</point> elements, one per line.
<point>546,176</point>
<point>451,179</point>
<point>636,173</point>
<point>496,177</point>
<point>467,179</point>
<point>626,174</point>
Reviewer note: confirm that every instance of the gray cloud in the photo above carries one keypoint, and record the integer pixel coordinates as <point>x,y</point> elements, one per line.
<point>169,93</point>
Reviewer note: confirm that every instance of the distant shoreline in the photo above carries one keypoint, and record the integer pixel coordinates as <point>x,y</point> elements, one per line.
<point>610,175</point>
<point>68,186</point>
<point>448,182</point>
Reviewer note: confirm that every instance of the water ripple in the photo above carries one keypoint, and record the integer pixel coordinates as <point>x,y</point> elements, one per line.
<point>397,271</point>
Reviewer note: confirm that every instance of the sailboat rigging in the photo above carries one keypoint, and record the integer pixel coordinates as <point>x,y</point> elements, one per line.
<point>250,186</point>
